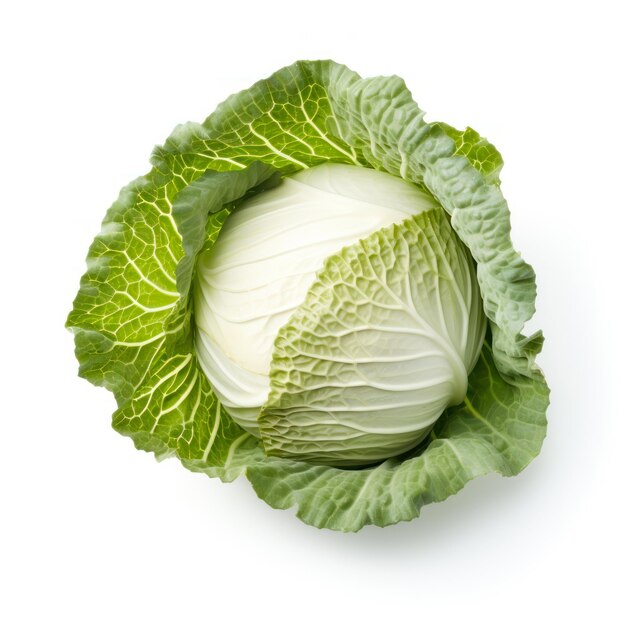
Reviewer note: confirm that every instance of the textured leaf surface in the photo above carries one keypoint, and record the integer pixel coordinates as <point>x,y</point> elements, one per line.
<point>482,155</point>
<point>282,121</point>
<point>126,310</point>
<point>381,346</point>
<point>176,410</point>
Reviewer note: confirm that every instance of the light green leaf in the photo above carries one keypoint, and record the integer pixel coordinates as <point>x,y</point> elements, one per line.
<point>382,344</point>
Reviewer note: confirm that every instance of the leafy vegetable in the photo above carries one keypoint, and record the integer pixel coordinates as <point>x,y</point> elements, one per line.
<point>299,288</point>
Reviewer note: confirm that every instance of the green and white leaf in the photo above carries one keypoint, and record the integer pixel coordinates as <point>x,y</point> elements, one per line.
<point>381,346</point>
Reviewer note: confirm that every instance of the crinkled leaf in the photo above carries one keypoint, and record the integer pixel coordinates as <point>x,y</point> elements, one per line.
<point>393,315</point>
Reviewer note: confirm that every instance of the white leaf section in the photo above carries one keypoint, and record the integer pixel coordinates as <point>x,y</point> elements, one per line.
<point>266,258</point>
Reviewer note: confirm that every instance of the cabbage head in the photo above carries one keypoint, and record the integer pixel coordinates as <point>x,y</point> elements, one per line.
<point>317,288</point>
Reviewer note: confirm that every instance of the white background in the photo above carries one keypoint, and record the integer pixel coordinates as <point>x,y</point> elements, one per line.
<point>94,532</point>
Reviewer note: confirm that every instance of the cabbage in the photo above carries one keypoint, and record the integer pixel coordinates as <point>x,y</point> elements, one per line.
<point>317,288</point>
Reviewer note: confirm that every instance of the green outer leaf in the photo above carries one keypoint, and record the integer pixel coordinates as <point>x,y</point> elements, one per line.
<point>126,310</point>
<point>176,410</point>
<point>205,196</point>
<point>132,329</point>
<point>282,121</point>
<point>165,403</point>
